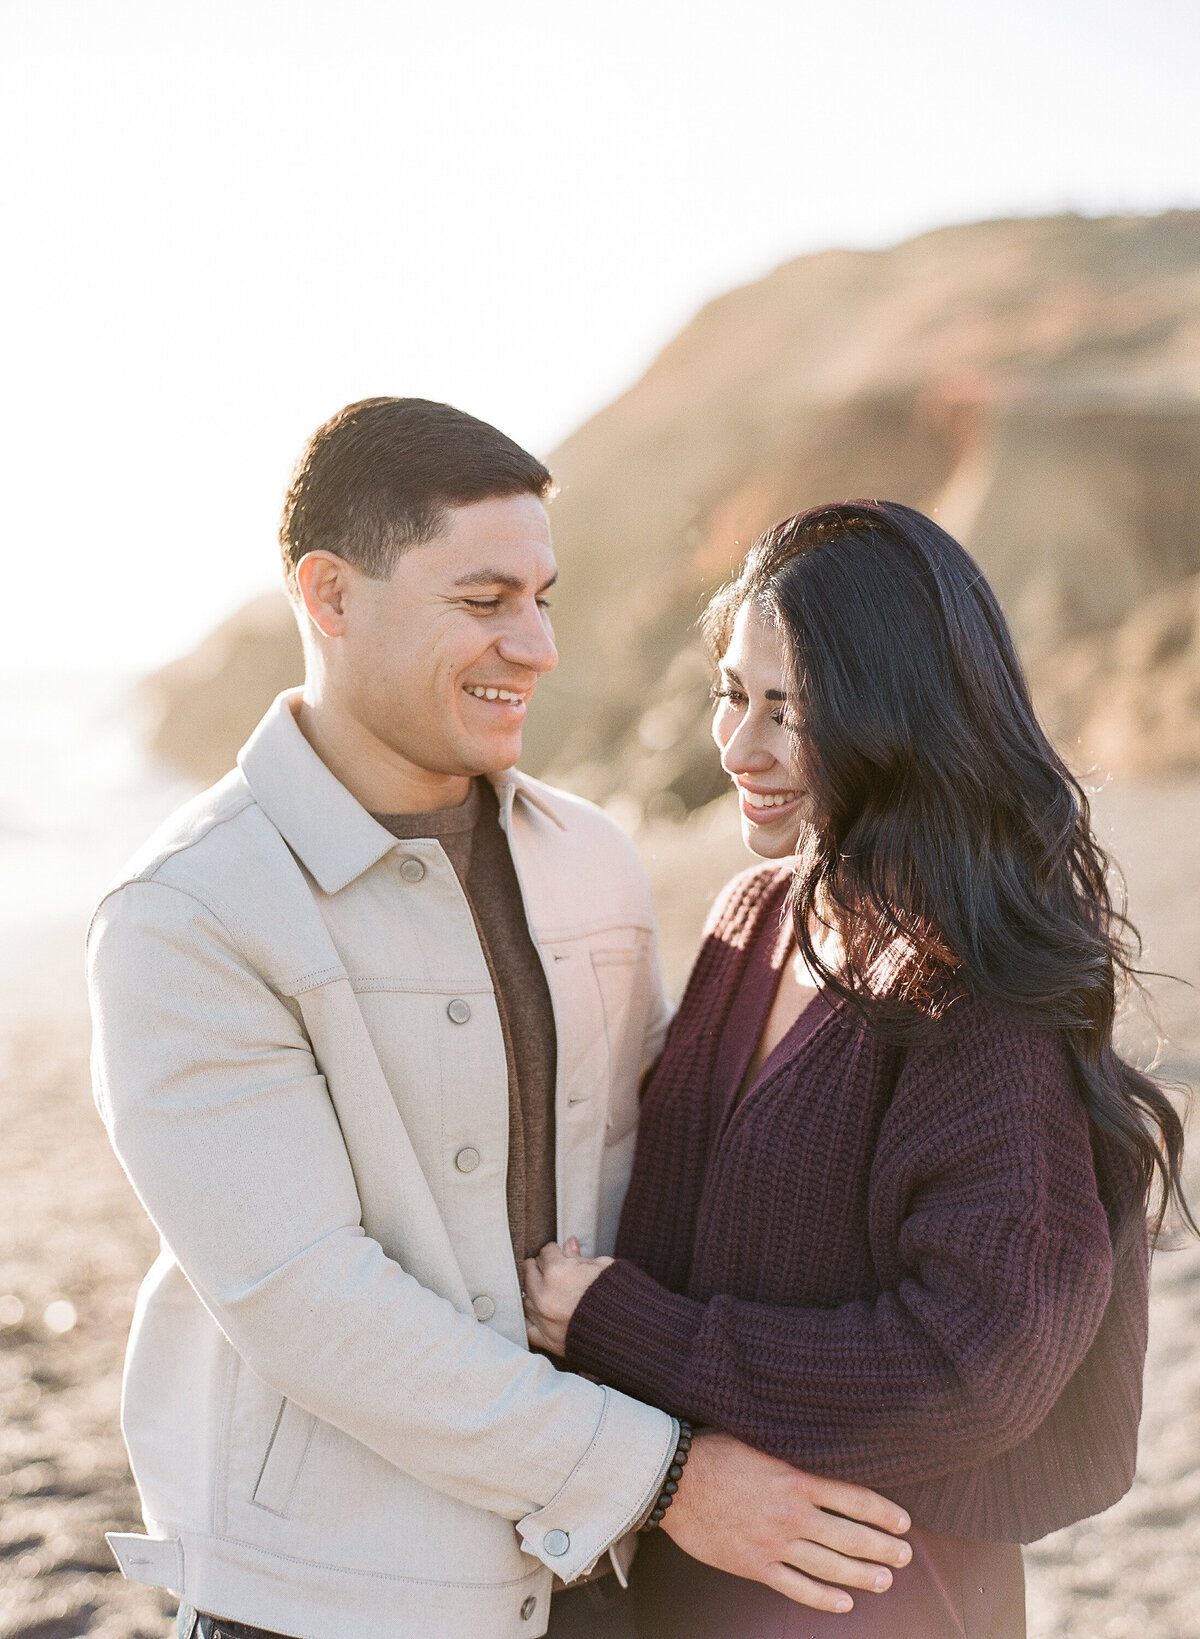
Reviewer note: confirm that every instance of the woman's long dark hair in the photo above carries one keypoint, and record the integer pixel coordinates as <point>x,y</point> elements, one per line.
<point>947,827</point>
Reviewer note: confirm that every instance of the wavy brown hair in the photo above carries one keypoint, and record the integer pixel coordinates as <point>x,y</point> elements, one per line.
<point>947,828</point>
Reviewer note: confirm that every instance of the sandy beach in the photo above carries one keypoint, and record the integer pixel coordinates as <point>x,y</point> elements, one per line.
<point>74,1245</point>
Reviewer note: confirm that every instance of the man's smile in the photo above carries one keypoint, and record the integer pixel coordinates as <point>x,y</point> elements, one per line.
<point>481,691</point>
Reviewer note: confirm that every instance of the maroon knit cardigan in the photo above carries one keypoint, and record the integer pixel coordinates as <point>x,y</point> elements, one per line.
<point>888,1264</point>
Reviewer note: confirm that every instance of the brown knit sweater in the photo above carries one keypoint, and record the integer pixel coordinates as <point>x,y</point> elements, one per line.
<point>889,1264</point>
<point>478,850</point>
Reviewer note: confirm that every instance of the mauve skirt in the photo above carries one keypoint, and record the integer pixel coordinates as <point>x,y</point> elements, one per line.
<point>950,1589</point>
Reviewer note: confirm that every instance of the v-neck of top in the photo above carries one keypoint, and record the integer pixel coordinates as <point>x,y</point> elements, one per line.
<point>748,1016</point>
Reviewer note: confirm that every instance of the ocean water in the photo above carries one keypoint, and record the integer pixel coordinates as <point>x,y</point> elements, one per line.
<point>77,796</point>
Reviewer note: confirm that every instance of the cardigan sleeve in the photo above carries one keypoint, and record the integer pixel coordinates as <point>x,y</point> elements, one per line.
<point>995,1262</point>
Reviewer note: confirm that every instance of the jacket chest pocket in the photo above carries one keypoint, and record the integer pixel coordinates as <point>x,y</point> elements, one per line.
<point>623,978</point>
<point>284,1458</point>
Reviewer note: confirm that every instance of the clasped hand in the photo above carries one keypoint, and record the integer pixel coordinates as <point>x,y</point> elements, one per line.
<point>552,1284</point>
<point>741,1510</point>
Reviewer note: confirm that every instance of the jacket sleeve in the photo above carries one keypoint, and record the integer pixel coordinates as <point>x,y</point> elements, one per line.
<point>1002,1268</point>
<point>220,1116</point>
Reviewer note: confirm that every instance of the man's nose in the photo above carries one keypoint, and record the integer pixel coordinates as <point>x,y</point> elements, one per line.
<point>529,642</point>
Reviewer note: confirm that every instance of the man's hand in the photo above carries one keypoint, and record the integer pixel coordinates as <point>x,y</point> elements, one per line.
<point>757,1517</point>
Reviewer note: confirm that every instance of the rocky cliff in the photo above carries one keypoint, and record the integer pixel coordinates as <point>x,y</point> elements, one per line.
<point>1033,384</point>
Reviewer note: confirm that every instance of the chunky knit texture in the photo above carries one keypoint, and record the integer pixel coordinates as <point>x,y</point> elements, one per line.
<point>887,1263</point>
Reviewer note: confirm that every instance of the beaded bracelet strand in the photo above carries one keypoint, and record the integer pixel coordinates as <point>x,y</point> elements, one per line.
<point>674,1474</point>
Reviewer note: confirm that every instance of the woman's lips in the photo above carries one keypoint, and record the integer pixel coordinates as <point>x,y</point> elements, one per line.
<point>764,807</point>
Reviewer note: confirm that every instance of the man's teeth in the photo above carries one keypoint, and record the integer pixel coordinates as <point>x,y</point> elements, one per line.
<point>496,694</point>
<point>777,799</point>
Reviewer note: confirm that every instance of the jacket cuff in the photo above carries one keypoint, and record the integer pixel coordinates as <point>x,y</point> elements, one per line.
<point>607,1492</point>
<point>629,1330</point>
<point>622,1551</point>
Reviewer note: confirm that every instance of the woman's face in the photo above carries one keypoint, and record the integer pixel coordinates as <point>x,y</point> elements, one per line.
<point>757,749</point>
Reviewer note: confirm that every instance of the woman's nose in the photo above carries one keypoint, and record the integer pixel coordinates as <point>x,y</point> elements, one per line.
<point>743,753</point>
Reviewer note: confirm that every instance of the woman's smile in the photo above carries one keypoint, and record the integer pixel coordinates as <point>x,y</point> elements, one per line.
<point>762,805</point>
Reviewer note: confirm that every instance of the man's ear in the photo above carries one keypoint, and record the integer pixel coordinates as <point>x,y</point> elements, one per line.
<point>323,580</point>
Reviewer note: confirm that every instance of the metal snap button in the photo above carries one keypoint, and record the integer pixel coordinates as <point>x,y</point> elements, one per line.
<point>484,1310</point>
<point>459,1011</point>
<point>528,1606</point>
<point>412,870</point>
<point>467,1159</point>
<point>556,1543</point>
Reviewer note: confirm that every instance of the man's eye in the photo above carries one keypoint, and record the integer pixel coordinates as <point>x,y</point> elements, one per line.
<point>483,605</point>
<point>544,603</point>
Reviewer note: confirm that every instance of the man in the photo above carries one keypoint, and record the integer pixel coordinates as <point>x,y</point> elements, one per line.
<point>370,1020</point>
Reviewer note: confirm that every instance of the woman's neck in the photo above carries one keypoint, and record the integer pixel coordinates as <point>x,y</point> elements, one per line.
<point>797,987</point>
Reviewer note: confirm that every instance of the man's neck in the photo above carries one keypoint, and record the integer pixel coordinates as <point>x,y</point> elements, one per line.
<point>379,778</point>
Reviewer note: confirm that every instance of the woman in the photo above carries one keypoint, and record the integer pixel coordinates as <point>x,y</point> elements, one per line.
<point>888,1213</point>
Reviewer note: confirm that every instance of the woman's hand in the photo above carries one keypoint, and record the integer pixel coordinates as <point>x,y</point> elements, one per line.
<point>553,1284</point>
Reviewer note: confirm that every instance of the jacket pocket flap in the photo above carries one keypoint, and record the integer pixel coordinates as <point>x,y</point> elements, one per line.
<point>285,1456</point>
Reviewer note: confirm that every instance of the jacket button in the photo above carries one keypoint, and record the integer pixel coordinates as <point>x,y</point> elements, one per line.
<point>556,1543</point>
<point>459,1011</point>
<point>467,1160</point>
<point>412,870</point>
<point>528,1607</point>
<point>484,1310</point>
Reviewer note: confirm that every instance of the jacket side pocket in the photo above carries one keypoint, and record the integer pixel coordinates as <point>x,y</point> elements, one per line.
<point>290,1440</point>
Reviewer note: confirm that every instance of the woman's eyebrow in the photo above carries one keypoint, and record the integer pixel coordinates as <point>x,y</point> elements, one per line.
<point>771,694</point>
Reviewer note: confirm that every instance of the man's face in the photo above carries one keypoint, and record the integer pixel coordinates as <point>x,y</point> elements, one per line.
<point>439,661</point>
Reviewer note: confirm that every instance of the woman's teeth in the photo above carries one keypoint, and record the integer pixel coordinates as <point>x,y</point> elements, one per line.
<point>777,799</point>
<point>496,694</point>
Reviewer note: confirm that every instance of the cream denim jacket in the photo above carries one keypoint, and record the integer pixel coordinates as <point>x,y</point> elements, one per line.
<point>334,1422</point>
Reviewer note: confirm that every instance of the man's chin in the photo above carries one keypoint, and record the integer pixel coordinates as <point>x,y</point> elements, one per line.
<point>492,757</point>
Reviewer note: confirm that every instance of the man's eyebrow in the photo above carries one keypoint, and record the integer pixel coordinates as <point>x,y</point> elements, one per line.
<point>500,577</point>
<point>771,694</point>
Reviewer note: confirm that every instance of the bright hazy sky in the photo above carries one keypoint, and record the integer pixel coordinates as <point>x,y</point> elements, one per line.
<point>226,218</point>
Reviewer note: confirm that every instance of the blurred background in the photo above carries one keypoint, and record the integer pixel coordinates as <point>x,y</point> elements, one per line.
<point>714,263</point>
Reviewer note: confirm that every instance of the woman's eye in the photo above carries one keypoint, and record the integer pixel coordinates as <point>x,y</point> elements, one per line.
<point>733,696</point>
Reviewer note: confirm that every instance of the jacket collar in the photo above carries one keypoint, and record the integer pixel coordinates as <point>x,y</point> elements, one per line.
<point>329,831</point>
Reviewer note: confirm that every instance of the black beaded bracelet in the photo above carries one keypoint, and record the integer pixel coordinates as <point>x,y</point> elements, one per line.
<point>674,1474</point>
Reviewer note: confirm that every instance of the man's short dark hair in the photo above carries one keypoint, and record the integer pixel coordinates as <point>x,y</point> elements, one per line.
<point>380,475</point>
